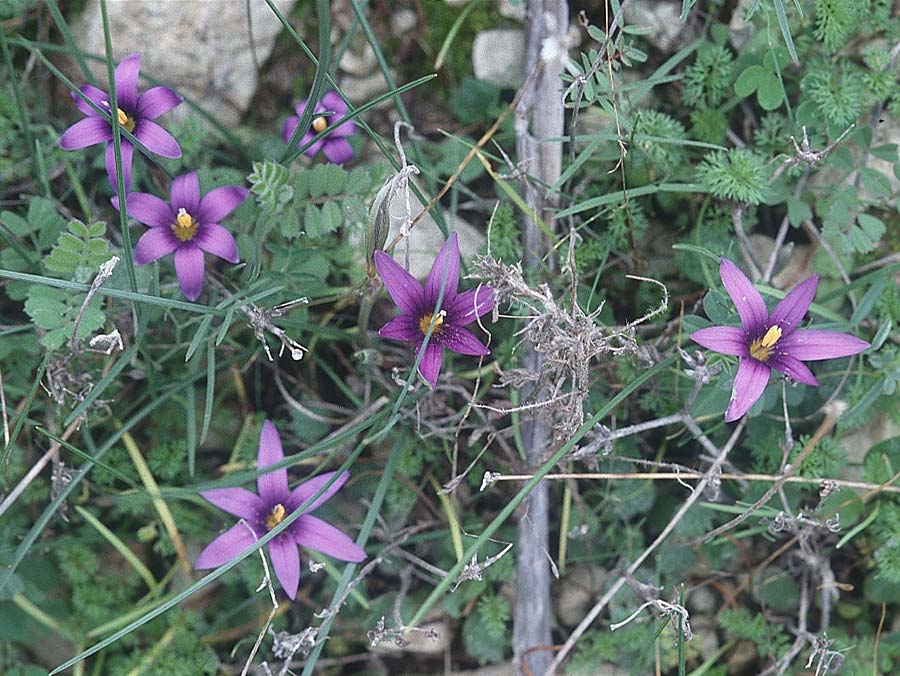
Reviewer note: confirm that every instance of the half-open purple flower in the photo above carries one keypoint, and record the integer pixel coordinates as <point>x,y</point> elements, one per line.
<point>188,225</point>
<point>330,110</point>
<point>418,308</point>
<point>261,513</point>
<point>135,114</point>
<point>771,341</point>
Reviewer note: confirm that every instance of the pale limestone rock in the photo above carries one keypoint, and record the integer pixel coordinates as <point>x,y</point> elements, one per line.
<point>578,590</point>
<point>434,639</point>
<point>668,32</point>
<point>202,49</point>
<point>512,9</point>
<point>497,56</point>
<point>402,22</point>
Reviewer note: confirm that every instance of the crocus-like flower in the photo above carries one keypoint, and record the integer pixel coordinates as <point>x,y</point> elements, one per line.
<point>261,513</point>
<point>187,225</point>
<point>418,307</point>
<point>330,110</point>
<point>135,114</point>
<point>771,341</point>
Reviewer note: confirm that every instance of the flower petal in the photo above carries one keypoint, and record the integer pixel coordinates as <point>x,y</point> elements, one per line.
<point>126,78</point>
<point>214,239</point>
<point>148,209</point>
<point>219,202</point>
<point>746,298</point>
<point>190,268</point>
<point>815,345</point>
<point>403,288</point>
<point>154,244</point>
<point>430,366</point>
<point>226,547</point>
<point>790,310</point>
<point>98,96</point>
<point>343,129</point>
<point>85,133</point>
<point>237,501</point>
<point>273,486</point>
<point>331,102</point>
<point>470,304</point>
<point>184,193</point>
<point>749,384</point>
<point>314,149</point>
<point>286,562</point>
<point>308,488</point>
<point>404,327</point>
<point>722,339</point>
<point>127,157</point>
<point>461,340</point>
<point>156,101</point>
<point>794,369</point>
<point>445,270</point>
<point>338,151</point>
<point>157,139</point>
<point>290,126</point>
<point>321,536</point>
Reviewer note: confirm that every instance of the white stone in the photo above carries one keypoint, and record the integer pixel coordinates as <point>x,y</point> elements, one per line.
<point>739,29</point>
<point>402,22</point>
<point>200,49</point>
<point>512,9</point>
<point>434,639</point>
<point>497,56</point>
<point>668,31</point>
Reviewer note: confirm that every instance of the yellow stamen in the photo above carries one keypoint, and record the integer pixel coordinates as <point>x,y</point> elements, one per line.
<point>761,349</point>
<point>184,227</point>
<point>276,516</point>
<point>425,322</point>
<point>320,124</point>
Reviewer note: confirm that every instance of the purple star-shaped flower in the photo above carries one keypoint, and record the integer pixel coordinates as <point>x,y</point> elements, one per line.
<point>418,306</point>
<point>330,110</point>
<point>135,113</point>
<point>187,225</point>
<point>771,341</point>
<point>261,513</point>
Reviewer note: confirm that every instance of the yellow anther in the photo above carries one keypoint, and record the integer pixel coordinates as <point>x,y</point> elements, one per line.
<point>276,516</point>
<point>123,118</point>
<point>772,336</point>
<point>425,322</point>
<point>185,227</point>
<point>320,124</point>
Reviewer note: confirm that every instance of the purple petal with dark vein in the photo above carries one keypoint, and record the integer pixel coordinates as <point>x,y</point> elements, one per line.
<point>214,239</point>
<point>300,107</point>
<point>461,340</point>
<point>157,139</point>
<point>722,339</point>
<point>791,309</point>
<point>793,368</point>
<point>226,547</point>
<point>746,298</point>
<point>402,287</point>
<point>815,345</point>
<point>286,562</point>
<point>313,533</point>
<point>469,304</point>
<point>314,149</point>
<point>333,103</point>
<point>445,270</point>
<point>238,501</point>
<point>184,193</point>
<point>344,129</point>
<point>430,366</point>
<point>148,209</point>
<point>290,125</point>
<point>98,96</point>
<point>154,244</point>
<point>749,384</point>
<point>156,101</point>
<point>190,268</point>
<point>127,153</point>
<point>219,202</point>
<point>273,486</point>
<point>404,327</point>
<point>126,77</point>
<point>85,133</point>
<point>338,151</point>
<point>308,488</point>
